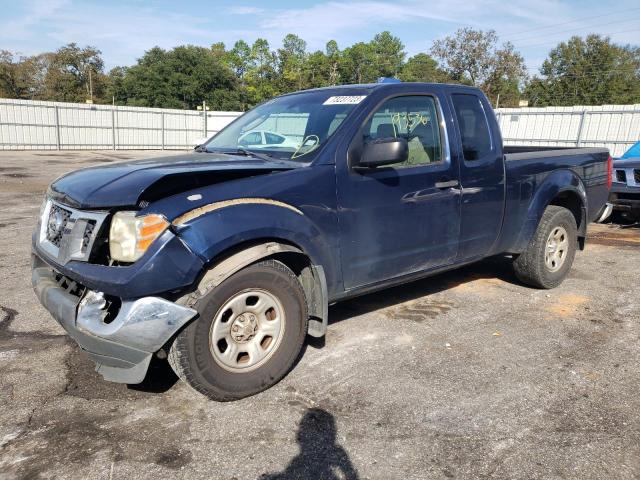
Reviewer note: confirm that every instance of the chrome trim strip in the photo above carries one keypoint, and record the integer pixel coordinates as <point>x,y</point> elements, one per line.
<point>197,212</point>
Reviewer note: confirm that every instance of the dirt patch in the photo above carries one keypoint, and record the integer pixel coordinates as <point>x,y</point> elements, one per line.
<point>17,175</point>
<point>614,236</point>
<point>65,154</point>
<point>57,162</point>
<point>84,382</point>
<point>567,305</point>
<point>420,310</point>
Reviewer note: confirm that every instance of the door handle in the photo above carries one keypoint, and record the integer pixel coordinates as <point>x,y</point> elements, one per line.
<point>447,184</point>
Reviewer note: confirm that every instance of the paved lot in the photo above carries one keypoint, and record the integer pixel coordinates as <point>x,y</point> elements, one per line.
<point>464,375</point>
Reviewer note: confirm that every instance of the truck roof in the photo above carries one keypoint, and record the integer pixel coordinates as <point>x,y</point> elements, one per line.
<point>385,86</point>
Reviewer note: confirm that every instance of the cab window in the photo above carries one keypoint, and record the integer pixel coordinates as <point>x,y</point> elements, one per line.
<point>413,118</point>
<point>473,125</point>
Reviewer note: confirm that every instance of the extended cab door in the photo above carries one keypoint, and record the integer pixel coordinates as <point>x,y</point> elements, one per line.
<point>482,174</point>
<point>402,218</point>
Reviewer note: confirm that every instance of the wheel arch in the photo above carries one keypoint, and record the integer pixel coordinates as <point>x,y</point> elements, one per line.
<point>572,201</point>
<point>563,188</point>
<point>311,276</point>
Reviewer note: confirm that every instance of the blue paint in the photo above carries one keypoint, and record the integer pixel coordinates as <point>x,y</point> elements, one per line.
<point>633,152</point>
<point>366,228</point>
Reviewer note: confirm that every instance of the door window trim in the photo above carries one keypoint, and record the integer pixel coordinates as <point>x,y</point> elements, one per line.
<point>445,150</point>
<point>489,157</point>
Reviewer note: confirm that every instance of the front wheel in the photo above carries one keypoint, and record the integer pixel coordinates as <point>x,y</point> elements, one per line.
<point>548,258</point>
<point>249,333</point>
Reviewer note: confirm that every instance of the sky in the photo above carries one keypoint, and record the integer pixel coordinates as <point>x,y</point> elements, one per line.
<point>124,29</point>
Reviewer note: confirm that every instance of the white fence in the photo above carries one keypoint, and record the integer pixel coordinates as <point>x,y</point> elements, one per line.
<point>616,127</point>
<point>36,125</point>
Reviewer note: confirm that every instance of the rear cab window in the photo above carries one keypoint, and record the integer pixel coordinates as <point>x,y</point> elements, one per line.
<point>473,125</point>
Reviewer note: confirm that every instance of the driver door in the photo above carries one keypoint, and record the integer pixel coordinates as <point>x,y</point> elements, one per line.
<point>403,218</point>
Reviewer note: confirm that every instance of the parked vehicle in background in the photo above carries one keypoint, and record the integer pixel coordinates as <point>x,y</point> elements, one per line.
<point>625,190</point>
<point>266,139</point>
<point>225,259</point>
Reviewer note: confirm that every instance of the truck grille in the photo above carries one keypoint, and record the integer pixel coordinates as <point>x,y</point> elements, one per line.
<point>69,234</point>
<point>71,286</point>
<point>88,234</point>
<point>56,223</point>
<point>636,175</point>
<point>621,176</point>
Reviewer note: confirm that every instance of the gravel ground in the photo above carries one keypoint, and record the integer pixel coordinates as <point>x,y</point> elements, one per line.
<point>465,375</point>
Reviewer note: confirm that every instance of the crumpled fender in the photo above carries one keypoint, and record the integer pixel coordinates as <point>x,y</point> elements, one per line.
<point>212,230</point>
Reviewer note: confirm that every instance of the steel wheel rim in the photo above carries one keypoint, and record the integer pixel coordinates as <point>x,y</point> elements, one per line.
<point>556,249</point>
<point>247,330</point>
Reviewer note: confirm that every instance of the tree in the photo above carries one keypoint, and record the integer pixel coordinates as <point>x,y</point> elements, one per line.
<point>389,54</point>
<point>179,78</point>
<point>507,76</point>
<point>359,64</point>
<point>422,68</point>
<point>334,57</point>
<point>22,78</point>
<point>472,56</point>
<point>589,71</point>
<point>317,70</point>
<point>74,74</point>
<point>239,58</point>
<point>262,75</point>
<point>291,62</point>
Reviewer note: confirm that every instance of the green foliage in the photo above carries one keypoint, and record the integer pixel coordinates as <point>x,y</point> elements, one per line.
<point>74,74</point>
<point>70,74</point>
<point>473,57</point>
<point>589,71</point>
<point>21,78</point>
<point>581,71</point>
<point>422,68</point>
<point>179,78</point>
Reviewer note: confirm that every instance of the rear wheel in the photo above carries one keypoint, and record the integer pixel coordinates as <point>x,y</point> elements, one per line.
<point>249,333</point>
<point>548,258</point>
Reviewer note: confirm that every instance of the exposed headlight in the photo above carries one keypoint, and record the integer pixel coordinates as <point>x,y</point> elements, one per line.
<point>131,236</point>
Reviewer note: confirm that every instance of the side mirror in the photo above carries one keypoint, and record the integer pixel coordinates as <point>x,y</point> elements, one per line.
<point>384,151</point>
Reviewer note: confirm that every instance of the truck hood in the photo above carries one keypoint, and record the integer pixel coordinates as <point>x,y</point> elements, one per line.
<point>127,184</point>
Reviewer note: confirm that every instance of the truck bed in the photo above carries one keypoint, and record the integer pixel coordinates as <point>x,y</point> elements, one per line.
<point>530,169</point>
<point>525,152</point>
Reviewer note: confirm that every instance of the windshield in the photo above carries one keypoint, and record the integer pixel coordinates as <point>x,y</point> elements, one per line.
<point>292,127</point>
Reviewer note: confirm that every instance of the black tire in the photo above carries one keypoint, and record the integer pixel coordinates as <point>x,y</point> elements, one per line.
<point>530,265</point>
<point>190,355</point>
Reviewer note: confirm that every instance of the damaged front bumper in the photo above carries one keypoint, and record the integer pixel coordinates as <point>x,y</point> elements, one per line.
<point>121,342</point>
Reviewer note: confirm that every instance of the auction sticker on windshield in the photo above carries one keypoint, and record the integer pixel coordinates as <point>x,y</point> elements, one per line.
<point>344,100</point>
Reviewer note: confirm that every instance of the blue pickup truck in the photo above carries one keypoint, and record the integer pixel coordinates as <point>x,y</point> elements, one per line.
<point>224,259</point>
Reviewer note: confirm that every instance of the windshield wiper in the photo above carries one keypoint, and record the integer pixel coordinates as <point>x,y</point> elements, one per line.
<point>250,153</point>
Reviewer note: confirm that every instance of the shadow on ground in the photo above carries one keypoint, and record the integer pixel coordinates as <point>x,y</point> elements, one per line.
<point>492,268</point>
<point>86,383</point>
<point>320,456</point>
